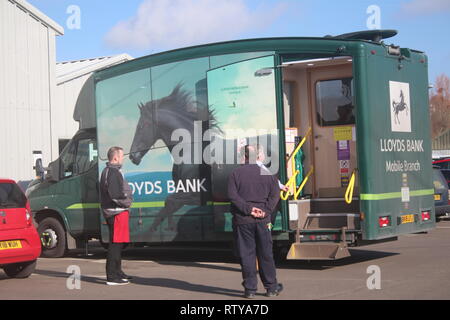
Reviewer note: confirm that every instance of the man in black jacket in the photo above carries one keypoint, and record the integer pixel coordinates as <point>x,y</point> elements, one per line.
<point>254,194</point>
<point>116,198</point>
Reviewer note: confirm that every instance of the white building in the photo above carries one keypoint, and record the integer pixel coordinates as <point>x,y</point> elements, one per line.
<point>39,97</point>
<point>27,87</point>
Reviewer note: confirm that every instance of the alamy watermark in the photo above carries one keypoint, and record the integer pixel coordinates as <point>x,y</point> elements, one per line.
<point>374,280</point>
<point>73,22</point>
<point>73,282</point>
<point>374,20</point>
<point>225,147</point>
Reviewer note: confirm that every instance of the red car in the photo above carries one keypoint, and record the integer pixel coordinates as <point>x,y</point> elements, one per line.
<point>20,245</point>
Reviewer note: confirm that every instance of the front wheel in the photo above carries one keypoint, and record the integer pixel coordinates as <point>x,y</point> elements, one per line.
<point>53,238</point>
<point>20,270</point>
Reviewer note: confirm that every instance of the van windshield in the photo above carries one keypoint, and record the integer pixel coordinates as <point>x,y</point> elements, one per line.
<point>11,196</point>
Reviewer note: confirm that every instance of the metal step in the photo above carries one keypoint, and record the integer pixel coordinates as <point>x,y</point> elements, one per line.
<point>334,205</point>
<point>318,251</point>
<point>332,221</point>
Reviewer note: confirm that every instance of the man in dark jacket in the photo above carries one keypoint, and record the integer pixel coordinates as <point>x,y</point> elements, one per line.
<point>116,198</point>
<point>254,194</point>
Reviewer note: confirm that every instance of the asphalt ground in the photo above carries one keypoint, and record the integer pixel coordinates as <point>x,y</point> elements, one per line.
<point>417,266</point>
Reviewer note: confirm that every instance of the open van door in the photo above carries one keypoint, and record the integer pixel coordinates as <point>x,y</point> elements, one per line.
<point>394,149</point>
<point>243,97</point>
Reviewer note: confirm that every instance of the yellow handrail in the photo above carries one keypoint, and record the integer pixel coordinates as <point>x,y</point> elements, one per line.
<point>295,172</point>
<point>290,182</point>
<point>350,188</point>
<point>303,183</point>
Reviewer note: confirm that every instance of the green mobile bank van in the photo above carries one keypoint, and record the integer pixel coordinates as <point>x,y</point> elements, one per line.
<point>344,121</point>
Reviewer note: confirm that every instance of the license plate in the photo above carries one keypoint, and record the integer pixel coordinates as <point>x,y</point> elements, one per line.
<point>437,197</point>
<point>409,218</point>
<point>6,245</point>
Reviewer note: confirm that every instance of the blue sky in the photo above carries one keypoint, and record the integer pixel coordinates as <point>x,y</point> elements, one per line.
<point>141,27</point>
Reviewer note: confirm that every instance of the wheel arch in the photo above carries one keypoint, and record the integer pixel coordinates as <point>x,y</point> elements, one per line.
<point>45,213</point>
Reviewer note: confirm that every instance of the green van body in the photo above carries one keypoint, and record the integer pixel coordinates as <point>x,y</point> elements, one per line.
<point>394,167</point>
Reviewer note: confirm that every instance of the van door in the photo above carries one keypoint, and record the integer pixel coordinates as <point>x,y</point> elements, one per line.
<point>78,188</point>
<point>333,123</point>
<point>394,151</point>
<point>243,98</point>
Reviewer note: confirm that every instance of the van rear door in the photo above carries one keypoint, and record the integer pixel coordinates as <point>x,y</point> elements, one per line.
<point>393,137</point>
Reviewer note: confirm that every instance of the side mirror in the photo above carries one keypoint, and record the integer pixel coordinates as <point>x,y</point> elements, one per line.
<point>54,173</point>
<point>39,169</point>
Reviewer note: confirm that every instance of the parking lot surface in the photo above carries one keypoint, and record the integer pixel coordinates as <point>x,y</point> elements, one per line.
<point>414,267</point>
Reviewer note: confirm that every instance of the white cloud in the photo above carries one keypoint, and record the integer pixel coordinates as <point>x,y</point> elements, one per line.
<point>425,7</point>
<point>175,23</point>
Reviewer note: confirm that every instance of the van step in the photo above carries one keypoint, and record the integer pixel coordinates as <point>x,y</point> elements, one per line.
<point>332,221</point>
<point>334,205</point>
<point>316,251</point>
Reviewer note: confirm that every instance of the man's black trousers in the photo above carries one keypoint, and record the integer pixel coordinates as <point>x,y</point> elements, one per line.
<point>254,240</point>
<point>114,256</point>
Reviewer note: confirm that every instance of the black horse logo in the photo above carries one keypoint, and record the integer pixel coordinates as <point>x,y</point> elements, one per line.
<point>398,107</point>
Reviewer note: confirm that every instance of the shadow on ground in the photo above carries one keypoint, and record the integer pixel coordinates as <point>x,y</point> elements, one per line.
<point>153,282</point>
<point>220,258</point>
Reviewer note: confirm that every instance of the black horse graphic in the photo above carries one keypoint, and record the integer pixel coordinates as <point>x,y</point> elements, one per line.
<point>159,118</point>
<point>398,107</point>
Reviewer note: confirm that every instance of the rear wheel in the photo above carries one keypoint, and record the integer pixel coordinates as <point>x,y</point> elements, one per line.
<point>20,270</point>
<point>53,238</point>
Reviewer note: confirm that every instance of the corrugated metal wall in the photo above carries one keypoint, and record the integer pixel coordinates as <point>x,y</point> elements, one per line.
<point>442,142</point>
<point>27,89</point>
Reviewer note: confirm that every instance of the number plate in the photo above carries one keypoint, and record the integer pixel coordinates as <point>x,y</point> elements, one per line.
<point>409,218</point>
<point>437,197</point>
<point>6,245</point>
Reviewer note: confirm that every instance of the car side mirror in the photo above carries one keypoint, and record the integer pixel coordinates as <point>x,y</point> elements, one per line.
<point>54,173</point>
<point>39,169</point>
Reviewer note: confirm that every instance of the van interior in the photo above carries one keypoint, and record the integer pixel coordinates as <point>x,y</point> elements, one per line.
<point>318,96</point>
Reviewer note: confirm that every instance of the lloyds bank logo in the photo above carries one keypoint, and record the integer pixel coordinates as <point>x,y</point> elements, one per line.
<point>400,106</point>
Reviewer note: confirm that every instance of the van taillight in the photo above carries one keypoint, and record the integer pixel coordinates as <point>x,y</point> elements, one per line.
<point>384,221</point>
<point>426,215</point>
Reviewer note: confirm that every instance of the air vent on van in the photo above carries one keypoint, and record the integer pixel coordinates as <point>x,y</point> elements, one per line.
<point>393,50</point>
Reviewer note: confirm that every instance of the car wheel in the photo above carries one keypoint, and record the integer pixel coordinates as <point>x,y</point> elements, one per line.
<point>20,270</point>
<point>53,238</point>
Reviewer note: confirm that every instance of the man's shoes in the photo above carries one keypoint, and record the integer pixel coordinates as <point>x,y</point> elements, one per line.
<point>276,292</point>
<point>117,282</point>
<point>123,276</point>
<point>249,295</point>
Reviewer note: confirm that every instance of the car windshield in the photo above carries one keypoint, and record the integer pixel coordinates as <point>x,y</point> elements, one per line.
<point>11,196</point>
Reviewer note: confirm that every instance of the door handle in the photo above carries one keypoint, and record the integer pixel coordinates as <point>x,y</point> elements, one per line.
<point>318,136</point>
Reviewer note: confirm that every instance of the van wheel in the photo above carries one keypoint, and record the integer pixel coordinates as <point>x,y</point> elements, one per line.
<point>53,238</point>
<point>20,270</point>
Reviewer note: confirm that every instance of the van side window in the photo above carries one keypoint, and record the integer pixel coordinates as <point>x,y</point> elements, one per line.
<point>68,160</point>
<point>334,99</point>
<point>86,155</point>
